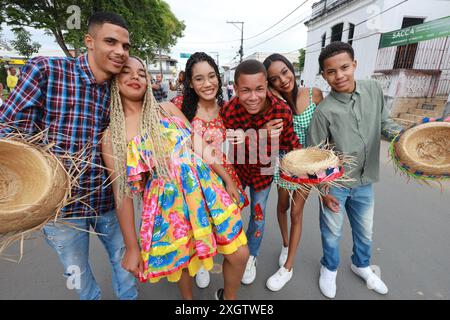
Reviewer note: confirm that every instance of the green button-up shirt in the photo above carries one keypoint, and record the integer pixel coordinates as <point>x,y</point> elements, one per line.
<point>353,123</point>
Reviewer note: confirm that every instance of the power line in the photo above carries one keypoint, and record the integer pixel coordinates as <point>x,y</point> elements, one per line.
<point>256,35</point>
<point>277,22</point>
<point>276,35</point>
<point>390,8</point>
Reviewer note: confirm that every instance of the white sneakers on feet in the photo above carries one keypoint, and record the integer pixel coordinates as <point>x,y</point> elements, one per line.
<point>372,280</point>
<point>283,256</point>
<point>279,279</point>
<point>327,282</point>
<point>202,278</point>
<point>250,271</point>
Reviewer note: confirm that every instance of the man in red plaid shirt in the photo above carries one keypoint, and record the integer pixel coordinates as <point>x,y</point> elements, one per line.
<point>258,126</point>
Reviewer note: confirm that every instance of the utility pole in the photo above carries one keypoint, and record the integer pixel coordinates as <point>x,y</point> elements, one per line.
<point>217,56</point>
<point>160,62</point>
<point>234,23</point>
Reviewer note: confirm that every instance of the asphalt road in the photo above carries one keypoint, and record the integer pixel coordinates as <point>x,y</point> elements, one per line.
<point>411,246</point>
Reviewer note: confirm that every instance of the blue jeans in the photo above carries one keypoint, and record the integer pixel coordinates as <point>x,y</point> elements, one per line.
<point>72,247</point>
<point>358,203</point>
<point>255,230</point>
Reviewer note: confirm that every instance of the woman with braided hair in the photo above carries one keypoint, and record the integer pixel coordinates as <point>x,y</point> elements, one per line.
<point>188,216</point>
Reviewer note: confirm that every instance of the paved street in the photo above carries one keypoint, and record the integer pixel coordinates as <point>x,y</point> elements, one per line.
<point>411,245</point>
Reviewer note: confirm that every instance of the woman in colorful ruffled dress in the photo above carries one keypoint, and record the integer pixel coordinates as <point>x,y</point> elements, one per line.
<point>188,216</point>
<point>201,103</point>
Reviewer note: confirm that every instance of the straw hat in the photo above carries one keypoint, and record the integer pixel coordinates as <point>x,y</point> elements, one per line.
<point>309,167</point>
<point>423,151</point>
<point>33,185</point>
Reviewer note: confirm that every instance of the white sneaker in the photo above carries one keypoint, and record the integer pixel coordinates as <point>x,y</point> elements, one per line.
<point>283,256</point>
<point>373,282</point>
<point>250,271</point>
<point>202,278</point>
<point>327,282</point>
<point>279,279</point>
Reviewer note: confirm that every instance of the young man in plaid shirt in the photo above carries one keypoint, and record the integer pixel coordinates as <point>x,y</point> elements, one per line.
<point>69,97</point>
<point>259,126</point>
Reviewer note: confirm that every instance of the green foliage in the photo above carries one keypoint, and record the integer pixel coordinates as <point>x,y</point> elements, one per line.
<point>3,75</point>
<point>23,43</point>
<point>152,23</point>
<point>301,59</point>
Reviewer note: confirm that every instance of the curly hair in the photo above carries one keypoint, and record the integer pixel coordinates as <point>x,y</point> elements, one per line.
<point>278,57</point>
<point>190,97</point>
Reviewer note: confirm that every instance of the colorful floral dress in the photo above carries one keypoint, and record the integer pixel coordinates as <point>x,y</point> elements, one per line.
<point>214,134</point>
<point>187,218</point>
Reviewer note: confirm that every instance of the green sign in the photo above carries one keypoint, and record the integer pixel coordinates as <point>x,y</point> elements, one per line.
<point>421,32</point>
<point>185,55</point>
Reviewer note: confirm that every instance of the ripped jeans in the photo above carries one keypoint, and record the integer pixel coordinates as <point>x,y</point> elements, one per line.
<point>257,221</point>
<point>72,247</point>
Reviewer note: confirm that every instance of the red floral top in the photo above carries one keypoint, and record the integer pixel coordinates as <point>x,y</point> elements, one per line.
<point>214,134</point>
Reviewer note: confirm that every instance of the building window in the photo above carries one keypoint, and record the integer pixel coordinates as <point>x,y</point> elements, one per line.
<point>324,39</point>
<point>351,33</point>
<point>405,55</point>
<point>336,32</point>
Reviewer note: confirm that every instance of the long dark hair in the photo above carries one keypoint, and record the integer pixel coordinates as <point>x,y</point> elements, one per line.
<point>278,57</point>
<point>190,97</point>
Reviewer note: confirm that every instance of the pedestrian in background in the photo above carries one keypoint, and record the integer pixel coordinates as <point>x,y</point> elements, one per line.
<point>179,84</point>
<point>11,79</point>
<point>230,90</point>
<point>159,89</point>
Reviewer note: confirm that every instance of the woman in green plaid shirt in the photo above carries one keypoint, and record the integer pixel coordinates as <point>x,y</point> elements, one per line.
<point>303,102</point>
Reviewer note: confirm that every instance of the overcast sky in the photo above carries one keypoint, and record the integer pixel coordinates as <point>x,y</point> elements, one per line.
<point>207,28</point>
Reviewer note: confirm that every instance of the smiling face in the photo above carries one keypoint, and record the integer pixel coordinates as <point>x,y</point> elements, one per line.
<point>108,49</point>
<point>132,80</point>
<point>280,77</point>
<point>204,81</point>
<point>252,92</point>
<point>339,72</point>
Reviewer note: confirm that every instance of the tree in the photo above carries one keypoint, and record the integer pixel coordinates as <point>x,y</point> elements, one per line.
<point>301,59</point>
<point>152,24</point>
<point>23,43</point>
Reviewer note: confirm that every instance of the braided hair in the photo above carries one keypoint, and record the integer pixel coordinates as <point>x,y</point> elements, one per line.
<point>148,125</point>
<point>278,57</point>
<point>190,97</point>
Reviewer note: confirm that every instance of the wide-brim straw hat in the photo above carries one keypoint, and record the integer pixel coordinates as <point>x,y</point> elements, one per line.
<point>33,185</point>
<point>423,151</point>
<point>312,166</point>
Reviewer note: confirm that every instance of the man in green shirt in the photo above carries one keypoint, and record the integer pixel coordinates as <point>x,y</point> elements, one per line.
<point>352,118</point>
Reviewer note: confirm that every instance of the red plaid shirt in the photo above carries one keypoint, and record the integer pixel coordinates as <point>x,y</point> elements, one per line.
<point>259,173</point>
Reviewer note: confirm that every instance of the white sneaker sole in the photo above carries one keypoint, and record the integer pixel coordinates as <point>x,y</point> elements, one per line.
<point>250,281</point>
<point>275,289</point>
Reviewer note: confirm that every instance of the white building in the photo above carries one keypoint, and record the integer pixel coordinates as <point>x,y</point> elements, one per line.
<point>361,23</point>
<point>163,64</point>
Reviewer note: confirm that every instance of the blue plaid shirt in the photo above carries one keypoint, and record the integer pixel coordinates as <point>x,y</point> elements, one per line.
<point>62,95</point>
